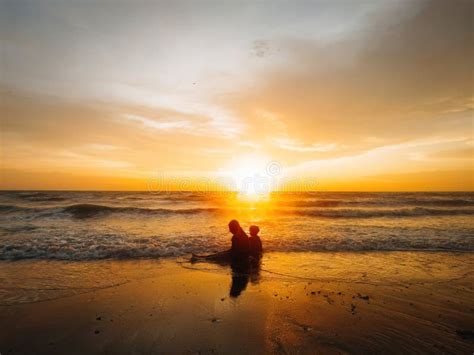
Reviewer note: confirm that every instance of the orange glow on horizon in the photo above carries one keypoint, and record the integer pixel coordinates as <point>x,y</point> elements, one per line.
<point>189,107</point>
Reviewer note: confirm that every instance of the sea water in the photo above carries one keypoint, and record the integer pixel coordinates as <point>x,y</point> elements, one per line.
<point>105,225</point>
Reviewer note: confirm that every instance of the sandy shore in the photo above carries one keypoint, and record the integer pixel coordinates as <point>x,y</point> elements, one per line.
<point>395,302</point>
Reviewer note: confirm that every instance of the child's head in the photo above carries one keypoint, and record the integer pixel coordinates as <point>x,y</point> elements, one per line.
<point>254,230</point>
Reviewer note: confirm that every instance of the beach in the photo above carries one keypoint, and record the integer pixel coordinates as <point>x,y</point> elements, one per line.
<point>305,303</point>
<point>111,272</point>
<point>237,177</point>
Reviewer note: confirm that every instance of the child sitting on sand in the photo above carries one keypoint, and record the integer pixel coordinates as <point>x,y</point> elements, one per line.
<point>255,242</point>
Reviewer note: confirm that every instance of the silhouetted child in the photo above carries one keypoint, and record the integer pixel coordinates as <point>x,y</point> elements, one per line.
<point>255,242</point>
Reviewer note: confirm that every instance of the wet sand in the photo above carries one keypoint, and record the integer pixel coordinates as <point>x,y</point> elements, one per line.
<point>305,303</point>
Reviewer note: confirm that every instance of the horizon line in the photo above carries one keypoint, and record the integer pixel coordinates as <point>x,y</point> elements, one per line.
<point>232,191</point>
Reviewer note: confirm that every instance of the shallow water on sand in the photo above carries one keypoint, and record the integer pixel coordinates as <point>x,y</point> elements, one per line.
<point>295,303</point>
<point>30,281</point>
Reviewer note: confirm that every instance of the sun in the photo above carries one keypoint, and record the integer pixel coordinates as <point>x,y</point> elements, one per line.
<point>250,176</point>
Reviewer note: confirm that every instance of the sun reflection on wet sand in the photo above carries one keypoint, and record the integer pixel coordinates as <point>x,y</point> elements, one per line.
<point>306,302</point>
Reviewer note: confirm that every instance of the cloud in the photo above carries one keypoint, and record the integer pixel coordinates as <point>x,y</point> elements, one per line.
<point>212,118</point>
<point>73,159</point>
<point>249,144</point>
<point>405,73</point>
<point>160,125</point>
<point>35,129</point>
<point>463,153</point>
<point>102,147</point>
<point>290,144</point>
<point>336,86</point>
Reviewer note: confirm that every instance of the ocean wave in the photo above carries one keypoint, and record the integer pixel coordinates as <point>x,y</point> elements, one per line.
<point>18,229</point>
<point>92,210</point>
<point>27,212</point>
<point>40,196</point>
<point>86,210</point>
<point>149,225</point>
<point>8,208</point>
<point>378,213</point>
<point>378,203</point>
<point>15,208</point>
<point>109,246</point>
<point>47,199</point>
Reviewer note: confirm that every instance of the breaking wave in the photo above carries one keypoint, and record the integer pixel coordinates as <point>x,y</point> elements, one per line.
<point>86,210</point>
<point>112,246</point>
<point>90,210</point>
<point>389,212</point>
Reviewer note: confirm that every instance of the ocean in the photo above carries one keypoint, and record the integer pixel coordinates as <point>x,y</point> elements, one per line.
<point>55,225</point>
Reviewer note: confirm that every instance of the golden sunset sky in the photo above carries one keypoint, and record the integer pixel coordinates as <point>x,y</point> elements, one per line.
<point>356,95</point>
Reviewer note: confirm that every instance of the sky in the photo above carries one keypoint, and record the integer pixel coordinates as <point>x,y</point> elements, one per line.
<point>336,95</point>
